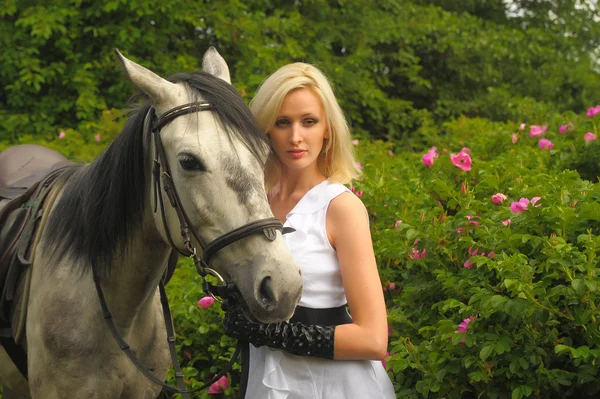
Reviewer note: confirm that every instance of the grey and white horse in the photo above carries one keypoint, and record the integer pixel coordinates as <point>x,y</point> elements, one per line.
<point>104,213</point>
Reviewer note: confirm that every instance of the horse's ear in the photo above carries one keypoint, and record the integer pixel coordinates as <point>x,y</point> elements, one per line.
<point>213,63</point>
<point>155,87</point>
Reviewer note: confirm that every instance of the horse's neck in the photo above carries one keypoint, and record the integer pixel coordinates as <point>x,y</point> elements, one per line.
<point>135,275</point>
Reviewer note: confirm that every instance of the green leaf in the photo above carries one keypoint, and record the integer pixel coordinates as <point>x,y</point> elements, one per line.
<point>499,348</point>
<point>497,301</point>
<point>590,211</point>
<point>579,286</point>
<point>517,393</point>
<point>560,349</point>
<point>523,363</point>
<point>591,285</point>
<point>411,234</point>
<point>582,352</point>
<point>486,351</point>
<point>526,390</point>
<point>510,283</point>
<point>439,376</point>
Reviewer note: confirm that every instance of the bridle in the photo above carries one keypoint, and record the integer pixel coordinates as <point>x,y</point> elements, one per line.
<point>268,227</point>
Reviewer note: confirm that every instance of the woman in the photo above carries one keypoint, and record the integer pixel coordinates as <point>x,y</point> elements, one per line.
<point>321,352</point>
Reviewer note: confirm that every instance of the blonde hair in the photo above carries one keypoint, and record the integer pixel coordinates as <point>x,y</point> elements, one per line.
<point>337,159</point>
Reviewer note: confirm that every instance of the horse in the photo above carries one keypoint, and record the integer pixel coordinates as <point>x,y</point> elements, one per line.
<point>110,215</point>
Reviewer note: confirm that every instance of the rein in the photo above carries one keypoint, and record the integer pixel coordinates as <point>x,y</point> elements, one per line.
<point>268,227</point>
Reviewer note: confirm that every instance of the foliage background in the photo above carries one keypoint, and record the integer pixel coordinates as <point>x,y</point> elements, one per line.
<point>397,64</point>
<point>409,75</point>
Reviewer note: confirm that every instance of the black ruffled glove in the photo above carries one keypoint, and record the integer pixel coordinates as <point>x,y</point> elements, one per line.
<point>293,337</point>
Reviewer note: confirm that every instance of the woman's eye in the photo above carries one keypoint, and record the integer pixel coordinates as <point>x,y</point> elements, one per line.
<point>189,162</point>
<point>282,123</point>
<point>310,121</point>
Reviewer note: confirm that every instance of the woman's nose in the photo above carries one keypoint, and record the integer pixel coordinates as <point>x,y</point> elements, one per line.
<point>296,136</point>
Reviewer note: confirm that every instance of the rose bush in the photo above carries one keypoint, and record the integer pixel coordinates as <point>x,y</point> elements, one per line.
<point>504,303</point>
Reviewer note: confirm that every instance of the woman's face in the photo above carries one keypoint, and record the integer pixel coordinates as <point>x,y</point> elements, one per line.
<point>300,130</point>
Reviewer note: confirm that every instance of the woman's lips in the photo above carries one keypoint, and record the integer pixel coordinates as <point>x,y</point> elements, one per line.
<point>296,153</point>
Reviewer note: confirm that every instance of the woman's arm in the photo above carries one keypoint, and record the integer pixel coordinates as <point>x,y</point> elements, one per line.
<point>348,232</point>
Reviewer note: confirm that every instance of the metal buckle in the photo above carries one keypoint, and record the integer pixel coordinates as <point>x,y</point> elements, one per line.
<point>220,282</point>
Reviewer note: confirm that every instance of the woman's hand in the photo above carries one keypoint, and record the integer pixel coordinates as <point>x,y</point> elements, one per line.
<point>293,337</point>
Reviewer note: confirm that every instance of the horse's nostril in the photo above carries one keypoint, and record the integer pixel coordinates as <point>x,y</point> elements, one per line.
<point>266,291</point>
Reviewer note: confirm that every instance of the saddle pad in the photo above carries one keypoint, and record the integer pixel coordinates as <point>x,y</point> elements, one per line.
<point>24,165</point>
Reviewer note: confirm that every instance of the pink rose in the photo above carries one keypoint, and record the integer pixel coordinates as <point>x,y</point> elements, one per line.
<point>206,302</point>
<point>468,264</point>
<point>416,255</point>
<point>62,135</point>
<point>218,386</point>
<point>589,136</point>
<point>97,138</point>
<point>515,138</point>
<point>397,223</point>
<point>359,166</point>
<point>464,327</point>
<point>519,206</point>
<point>355,142</point>
<point>498,198</point>
<point>522,126</point>
<point>429,158</point>
<point>462,160</point>
<point>545,144</point>
<point>506,222</point>
<point>593,111</point>
<point>536,131</point>
<point>472,220</point>
<point>563,128</point>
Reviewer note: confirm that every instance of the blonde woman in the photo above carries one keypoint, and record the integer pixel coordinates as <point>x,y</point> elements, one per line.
<point>322,353</point>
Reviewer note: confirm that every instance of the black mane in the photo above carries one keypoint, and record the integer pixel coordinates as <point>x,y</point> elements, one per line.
<point>102,203</point>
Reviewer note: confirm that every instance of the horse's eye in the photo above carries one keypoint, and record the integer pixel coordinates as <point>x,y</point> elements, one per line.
<point>190,162</point>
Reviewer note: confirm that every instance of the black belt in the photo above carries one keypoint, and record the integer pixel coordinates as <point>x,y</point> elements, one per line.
<point>323,317</point>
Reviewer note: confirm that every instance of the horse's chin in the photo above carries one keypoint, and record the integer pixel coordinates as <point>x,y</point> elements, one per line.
<point>260,315</point>
<point>249,314</point>
<point>243,304</point>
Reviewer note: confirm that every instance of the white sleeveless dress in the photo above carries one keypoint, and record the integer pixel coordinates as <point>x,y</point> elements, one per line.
<point>275,374</point>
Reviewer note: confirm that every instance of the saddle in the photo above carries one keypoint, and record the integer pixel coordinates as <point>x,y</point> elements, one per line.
<point>26,176</point>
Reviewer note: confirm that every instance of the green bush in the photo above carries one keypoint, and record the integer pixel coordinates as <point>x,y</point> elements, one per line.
<point>534,330</point>
<point>203,347</point>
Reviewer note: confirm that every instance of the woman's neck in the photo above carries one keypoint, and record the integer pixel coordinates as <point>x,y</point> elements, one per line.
<point>297,184</point>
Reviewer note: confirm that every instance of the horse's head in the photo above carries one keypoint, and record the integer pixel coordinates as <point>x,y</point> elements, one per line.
<point>216,159</point>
